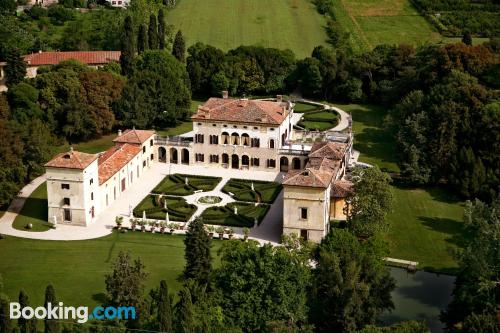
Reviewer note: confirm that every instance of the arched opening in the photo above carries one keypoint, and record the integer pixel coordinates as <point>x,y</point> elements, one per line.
<point>162,155</point>
<point>296,163</point>
<point>225,138</point>
<point>245,138</point>
<point>235,161</point>
<point>185,156</point>
<point>271,143</point>
<point>225,160</point>
<point>283,164</point>
<point>245,161</point>
<point>283,139</point>
<point>174,158</point>
<point>235,139</point>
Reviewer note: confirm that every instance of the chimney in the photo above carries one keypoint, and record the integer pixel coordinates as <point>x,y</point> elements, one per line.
<point>279,98</point>
<point>225,94</point>
<point>119,132</point>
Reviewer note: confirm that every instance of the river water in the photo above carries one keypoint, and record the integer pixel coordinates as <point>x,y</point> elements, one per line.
<point>419,296</point>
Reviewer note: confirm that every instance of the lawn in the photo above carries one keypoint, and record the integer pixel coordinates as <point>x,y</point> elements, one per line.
<point>304,108</point>
<point>77,268</point>
<point>246,215</point>
<point>374,22</point>
<point>176,184</point>
<point>34,211</point>
<point>265,192</point>
<point>426,226</point>
<point>282,24</point>
<point>178,209</point>
<point>319,121</point>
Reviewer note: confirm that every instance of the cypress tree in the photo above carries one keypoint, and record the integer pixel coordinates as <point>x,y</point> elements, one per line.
<point>185,312</point>
<point>164,315</point>
<point>152,33</point>
<point>142,39</point>
<point>25,325</point>
<point>51,325</point>
<point>161,29</point>
<point>5,322</point>
<point>467,38</point>
<point>127,47</point>
<point>179,47</point>
<point>15,71</point>
<point>197,253</point>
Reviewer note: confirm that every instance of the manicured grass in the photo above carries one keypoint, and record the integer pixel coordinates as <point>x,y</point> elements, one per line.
<point>246,215</point>
<point>282,24</point>
<point>181,128</point>
<point>178,209</point>
<point>34,211</point>
<point>176,184</point>
<point>426,226</point>
<point>92,146</point>
<point>373,141</point>
<point>77,268</point>
<point>319,121</point>
<point>304,108</point>
<point>265,192</point>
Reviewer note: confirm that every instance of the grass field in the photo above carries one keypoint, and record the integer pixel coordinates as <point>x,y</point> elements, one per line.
<point>77,268</point>
<point>282,24</point>
<point>34,211</point>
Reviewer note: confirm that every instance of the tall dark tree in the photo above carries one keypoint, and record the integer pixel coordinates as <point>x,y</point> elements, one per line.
<point>467,38</point>
<point>197,253</point>
<point>152,33</point>
<point>25,325</point>
<point>5,322</point>
<point>161,29</point>
<point>15,71</point>
<point>142,39</point>
<point>185,312</point>
<point>127,47</point>
<point>51,325</point>
<point>179,47</point>
<point>164,309</point>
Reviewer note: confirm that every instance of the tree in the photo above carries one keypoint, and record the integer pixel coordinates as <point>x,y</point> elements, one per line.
<point>25,325</point>
<point>5,321</point>
<point>127,47</point>
<point>185,312</point>
<point>309,76</point>
<point>142,39</point>
<point>351,286</point>
<point>15,71</point>
<point>203,62</point>
<point>23,100</point>
<point>7,7</point>
<point>483,323</point>
<point>152,33</point>
<point>179,47</point>
<point>161,30</point>
<point>51,325</point>
<point>164,309</point>
<point>369,202</point>
<point>467,38</point>
<point>261,284</point>
<point>198,259</point>
<point>402,327</point>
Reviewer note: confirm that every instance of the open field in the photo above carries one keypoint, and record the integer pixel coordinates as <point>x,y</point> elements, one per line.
<point>34,211</point>
<point>282,24</point>
<point>77,268</point>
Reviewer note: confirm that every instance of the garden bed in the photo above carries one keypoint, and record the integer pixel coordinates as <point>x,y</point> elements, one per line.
<point>178,209</point>
<point>225,216</point>
<point>320,120</point>
<point>264,192</point>
<point>176,184</point>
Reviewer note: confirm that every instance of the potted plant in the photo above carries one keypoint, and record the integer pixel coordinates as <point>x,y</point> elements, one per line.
<point>230,232</point>
<point>220,231</point>
<point>246,232</point>
<point>152,226</point>
<point>133,224</point>
<point>172,227</point>
<point>142,223</point>
<point>119,222</point>
<point>182,225</point>
<point>211,230</point>
<point>162,227</point>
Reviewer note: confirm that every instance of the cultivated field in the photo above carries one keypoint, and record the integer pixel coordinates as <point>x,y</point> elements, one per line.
<point>283,24</point>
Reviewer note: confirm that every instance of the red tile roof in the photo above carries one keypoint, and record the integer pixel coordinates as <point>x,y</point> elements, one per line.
<point>72,160</point>
<point>86,57</point>
<point>134,136</point>
<point>242,111</point>
<point>308,178</point>
<point>114,159</point>
<point>341,189</point>
<point>332,150</point>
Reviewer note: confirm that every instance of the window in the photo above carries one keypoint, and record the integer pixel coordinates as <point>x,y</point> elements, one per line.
<point>65,186</point>
<point>199,138</point>
<point>245,127</point>
<point>66,201</point>
<point>144,149</point>
<point>214,158</point>
<point>303,213</point>
<point>199,124</point>
<point>255,128</point>
<point>255,142</point>
<point>199,157</point>
<point>91,181</point>
<point>152,157</point>
<point>214,139</point>
<point>214,125</point>
<point>234,126</point>
<point>254,161</point>
<point>67,215</point>
<point>224,125</point>
<point>271,143</point>
<point>271,129</point>
<point>151,143</point>
<point>303,234</point>
<point>91,195</point>
<point>143,164</point>
<point>271,163</point>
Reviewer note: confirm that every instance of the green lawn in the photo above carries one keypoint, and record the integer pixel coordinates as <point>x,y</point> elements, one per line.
<point>77,268</point>
<point>34,211</point>
<point>426,226</point>
<point>265,192</point>
<point>246,215</point>
<point>176,184</point>
<point>282,24</point>
<point>375,144</point>
<point>304,108</point>
<point>178,209</point>
<point>319,121</point>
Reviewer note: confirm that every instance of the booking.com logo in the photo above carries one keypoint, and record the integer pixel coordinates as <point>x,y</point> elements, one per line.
<point>81,313</point>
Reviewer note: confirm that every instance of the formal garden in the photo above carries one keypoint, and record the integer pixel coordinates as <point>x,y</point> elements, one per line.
<point>179,184</point>
<point>157,206</point>
<point>252,191</point>
<point>321,120</point>
<point>236,214</point>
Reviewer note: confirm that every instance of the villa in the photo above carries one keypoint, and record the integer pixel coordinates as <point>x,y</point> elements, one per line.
<point>228,133</point>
